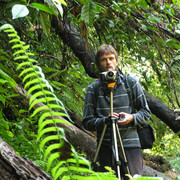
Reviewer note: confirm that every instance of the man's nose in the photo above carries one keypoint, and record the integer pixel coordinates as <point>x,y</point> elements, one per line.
<point>108,61</point>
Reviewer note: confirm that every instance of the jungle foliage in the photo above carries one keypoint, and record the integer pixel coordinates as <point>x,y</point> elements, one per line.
<point>145,34</point>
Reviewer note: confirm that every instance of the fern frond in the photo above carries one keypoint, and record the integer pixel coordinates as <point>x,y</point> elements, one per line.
<point>52,138</point>
<point>52,157</point>
<point>17,46</point>
<point>46,107</point>
<point>40,94</point>
<point>56,121</point>
<point>47,139</point>
<point>53,147</point>
<point>50,114</point>
<point>27,70</point>
<point>36,87</point>
<point>17,39</point>
<point>23,64</point>
<point>42,100</point>
<point>47,130</point>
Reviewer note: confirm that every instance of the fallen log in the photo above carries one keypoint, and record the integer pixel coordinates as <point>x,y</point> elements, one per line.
<point>14,167</point>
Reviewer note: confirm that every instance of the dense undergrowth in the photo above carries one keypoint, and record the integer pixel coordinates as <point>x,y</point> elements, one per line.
<point>66,75</point>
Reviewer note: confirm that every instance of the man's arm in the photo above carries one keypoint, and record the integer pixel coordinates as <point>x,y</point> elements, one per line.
<point>140,104</point>
<point>90,121</point>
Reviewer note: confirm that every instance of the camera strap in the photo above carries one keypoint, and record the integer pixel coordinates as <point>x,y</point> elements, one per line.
<point>129,87</point>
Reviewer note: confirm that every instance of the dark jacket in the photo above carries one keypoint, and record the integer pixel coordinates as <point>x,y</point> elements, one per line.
<point>97,108</point>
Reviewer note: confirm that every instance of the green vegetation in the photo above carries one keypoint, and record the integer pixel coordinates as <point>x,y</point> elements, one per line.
<point>47,64</point>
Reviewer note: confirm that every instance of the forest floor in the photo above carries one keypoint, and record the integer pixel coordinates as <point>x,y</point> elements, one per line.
<point>160,164</point>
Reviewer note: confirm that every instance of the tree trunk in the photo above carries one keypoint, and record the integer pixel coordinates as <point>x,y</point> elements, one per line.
<point>14,167</point>
<point>71,37</point>
<point>161,111</point>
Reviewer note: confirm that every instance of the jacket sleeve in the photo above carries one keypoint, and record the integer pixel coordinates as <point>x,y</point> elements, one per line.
<point>143,112</point>
<point>90,120</point>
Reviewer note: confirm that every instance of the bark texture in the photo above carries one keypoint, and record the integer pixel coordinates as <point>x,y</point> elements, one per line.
<point>161,111</point>
<point>14,167</point>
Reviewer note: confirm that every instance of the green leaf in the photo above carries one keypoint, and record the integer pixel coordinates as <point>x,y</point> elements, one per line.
<point>59,164</point>
<point>7,78</point>
<point>41,93</point>
<point>27,70</point>
<point>47,130</point>
<point>6,26</point>
<point>60,171</point>
<point>39,109</point>
<point>155,19</point>
<point>50,114</point>
<point>21,57</point>
<point>45,23</point>
<point>88,12</point>
<point>31,75</point>
<point>2,99</point>
<point>57,3</point>
<point>62,2</point>
<point>47,139</point>
<point>42,100</point>
<point>15,40</point>
<point>36,87</point>
<point>51,148</point>
<point>19,11</point>
<point>17,46</point>
<point>19,52</point>
<point>52,121</point>
<point>34,81</point>
<point>52,158</point>
<point>46,107</point>
<point>177,58</point>
<point>44,8</point>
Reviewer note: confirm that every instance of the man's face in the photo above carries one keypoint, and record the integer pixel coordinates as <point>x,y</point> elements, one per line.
<point>108,61</point>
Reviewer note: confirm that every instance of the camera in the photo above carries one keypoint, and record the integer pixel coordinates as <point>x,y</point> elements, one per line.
<point>109,76</point>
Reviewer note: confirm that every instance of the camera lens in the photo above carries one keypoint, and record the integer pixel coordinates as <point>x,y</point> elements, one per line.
<point>110,74</point>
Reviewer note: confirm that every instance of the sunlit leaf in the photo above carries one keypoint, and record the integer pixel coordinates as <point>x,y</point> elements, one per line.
<point>52,158</point>
<point>51,148</point>
<point>57,3</point>
<point>42,100</point>
<point>47,139</point>
<point>47,130</point>
<point>50,114</point>
<point>19,11</point>
<point>27,70</point>
<point>39,94</point>
<point>43,7</point>
<point>52,121</point>
<point>7,78</point>
<point>36,87</point>
<point>30,75</point>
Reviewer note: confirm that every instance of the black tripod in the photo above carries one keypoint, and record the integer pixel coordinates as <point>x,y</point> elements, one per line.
<point>115,133</point>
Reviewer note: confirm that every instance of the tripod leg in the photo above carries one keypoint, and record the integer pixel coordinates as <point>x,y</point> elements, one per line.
<point>122,149</point>
<point>118,163</point>
<point>99,145</point>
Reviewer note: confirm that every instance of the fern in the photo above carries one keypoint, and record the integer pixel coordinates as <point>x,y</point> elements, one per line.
<point>60,154</point>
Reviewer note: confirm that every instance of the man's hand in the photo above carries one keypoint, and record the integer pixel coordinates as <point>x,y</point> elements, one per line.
<point>125,118</point>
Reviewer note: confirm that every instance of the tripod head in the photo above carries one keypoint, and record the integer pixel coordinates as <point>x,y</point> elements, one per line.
<point>109,78</point>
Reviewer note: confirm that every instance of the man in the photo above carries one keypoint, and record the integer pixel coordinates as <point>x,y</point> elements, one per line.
<point>97,112</point>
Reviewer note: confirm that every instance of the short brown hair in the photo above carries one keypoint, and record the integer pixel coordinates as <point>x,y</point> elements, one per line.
<point>105,49</point>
